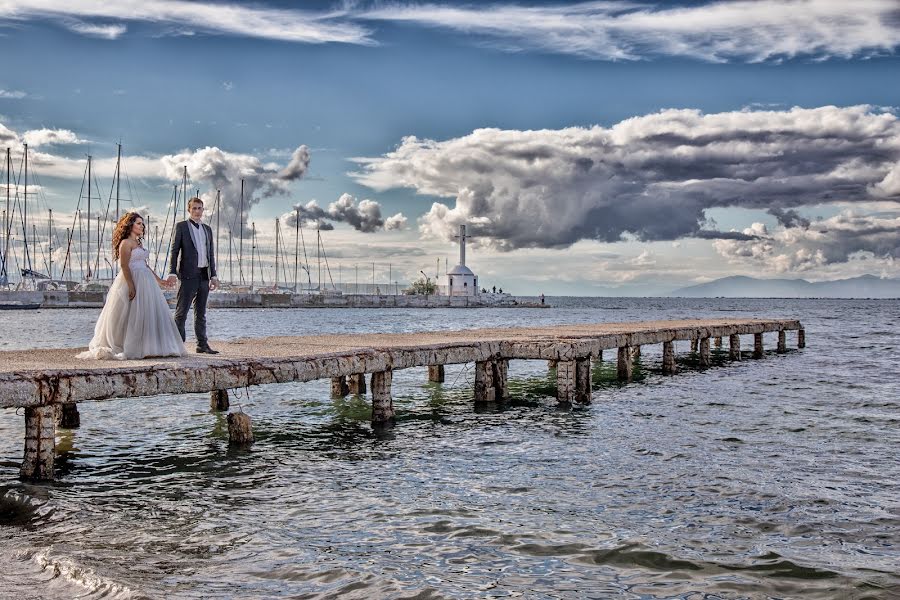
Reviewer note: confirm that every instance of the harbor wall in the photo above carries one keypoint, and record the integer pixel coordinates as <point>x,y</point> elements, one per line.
<point>64,299</point>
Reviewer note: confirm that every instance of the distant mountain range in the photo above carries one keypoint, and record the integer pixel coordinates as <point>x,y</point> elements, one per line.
<point>867,286</point>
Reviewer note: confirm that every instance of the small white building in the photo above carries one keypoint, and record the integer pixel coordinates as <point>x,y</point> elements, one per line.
<point>461,281</point>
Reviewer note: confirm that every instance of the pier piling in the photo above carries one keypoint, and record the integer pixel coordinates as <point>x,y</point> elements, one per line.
<point>357,383</point>
<point>782,342</point>
<point>625,365</point>
<point>501,379</point>
<point>704,352</point>
<point>635,353</point>
<point>668,366</point>
<point>339,387</point>
<point>695,344</point>
<point>40,443</point>
<point>801,338</point>
<point>436,373</point>
<point>583,380</point>
<point>485,392</point>
<point>240,429</point>
<point>718,341</point>
<point>382,402</point>
<point>757,345</point>
<point>218,400</point>
<point>68,416</point>
<point>734,343</point>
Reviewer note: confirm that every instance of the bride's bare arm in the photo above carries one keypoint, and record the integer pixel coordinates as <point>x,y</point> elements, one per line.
<point>125,248</point>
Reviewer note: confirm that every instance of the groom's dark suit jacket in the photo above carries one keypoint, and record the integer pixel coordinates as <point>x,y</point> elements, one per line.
<point>183,259</point>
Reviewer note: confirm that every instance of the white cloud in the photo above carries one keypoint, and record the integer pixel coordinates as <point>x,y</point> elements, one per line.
<point>289,25</point>
<point>395,222</point>
<point>106,32</point>
<point>46,137</point>
<point>651,177</point>
<point>363,215</point>
<point>12,94</point>
<point>839,239</point>
<point>753,31</point>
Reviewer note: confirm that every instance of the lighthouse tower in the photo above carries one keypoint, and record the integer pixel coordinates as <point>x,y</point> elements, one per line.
<point>461,281</point>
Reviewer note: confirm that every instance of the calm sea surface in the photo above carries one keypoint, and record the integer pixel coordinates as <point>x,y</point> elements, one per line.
<point>771,478</point>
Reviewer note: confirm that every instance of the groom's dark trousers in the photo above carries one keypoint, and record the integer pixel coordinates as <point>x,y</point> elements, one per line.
<point>194,288</point>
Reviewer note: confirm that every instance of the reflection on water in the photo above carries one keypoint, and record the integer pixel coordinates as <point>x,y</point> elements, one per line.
<point>772,478</point>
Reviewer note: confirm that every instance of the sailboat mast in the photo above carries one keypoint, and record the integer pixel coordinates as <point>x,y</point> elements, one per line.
<point>89,219</point>
<point>118,178</point>
<point>277,230</point>
<point>252,254</point>
<point>241,237</point>
<point>50,240</point>
<point>184,191</point>
<point>319,257</point>
<point>8,215</point>
<point>296,249</point>
<point>25,212</point>
<point>218,202</point>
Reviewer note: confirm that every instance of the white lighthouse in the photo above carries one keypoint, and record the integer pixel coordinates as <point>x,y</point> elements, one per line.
<point>461,281</point>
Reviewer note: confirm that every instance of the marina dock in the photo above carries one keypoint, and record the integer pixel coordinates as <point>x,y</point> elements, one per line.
<point>49,384</point>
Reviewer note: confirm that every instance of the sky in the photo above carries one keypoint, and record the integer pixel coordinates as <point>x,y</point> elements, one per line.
<point>592,148</point>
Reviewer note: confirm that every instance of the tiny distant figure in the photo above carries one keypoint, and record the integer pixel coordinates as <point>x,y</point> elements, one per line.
<point>483,291</point>
<point>135,321</point>
<point>494,289</point>
<point>542,298</point>
<point>501,290</point>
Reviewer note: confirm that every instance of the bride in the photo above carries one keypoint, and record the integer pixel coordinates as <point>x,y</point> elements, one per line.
<point>135,321</point>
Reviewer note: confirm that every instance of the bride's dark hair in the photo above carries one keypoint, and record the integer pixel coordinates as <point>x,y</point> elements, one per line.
<point>123,230</point>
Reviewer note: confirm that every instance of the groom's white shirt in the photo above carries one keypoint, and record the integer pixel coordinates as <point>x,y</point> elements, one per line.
<point>198,235</point>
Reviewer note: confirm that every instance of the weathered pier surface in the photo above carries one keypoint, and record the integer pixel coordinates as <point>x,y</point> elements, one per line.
<point>50,383</point>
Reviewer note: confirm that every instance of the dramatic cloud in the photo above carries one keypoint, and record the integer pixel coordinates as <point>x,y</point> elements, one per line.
<point>289,25</point>
<point>46,137</point>
<point>754,31</point>
<point>215,169</point>
<point>364,216</point>
<point>821,243</point>
<point>651,177</point>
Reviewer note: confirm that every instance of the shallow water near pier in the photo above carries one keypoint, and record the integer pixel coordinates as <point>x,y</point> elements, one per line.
<point>763,478</point>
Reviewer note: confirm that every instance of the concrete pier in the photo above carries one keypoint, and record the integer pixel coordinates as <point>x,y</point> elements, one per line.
<point>782,343</point>
<point>218,400</point>
<point>40,380</point>
<point>339,386</point>
<point>68,417</point>
<point>801,338</point>
<point>758,345</point>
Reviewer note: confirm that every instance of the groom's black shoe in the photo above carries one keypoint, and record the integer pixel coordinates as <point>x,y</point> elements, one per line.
<point>206,350</point>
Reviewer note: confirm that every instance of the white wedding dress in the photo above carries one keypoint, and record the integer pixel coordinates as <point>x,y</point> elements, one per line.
<point>138,328</point>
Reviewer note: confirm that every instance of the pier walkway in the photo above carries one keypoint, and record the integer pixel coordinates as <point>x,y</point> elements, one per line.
<point>48,384</point>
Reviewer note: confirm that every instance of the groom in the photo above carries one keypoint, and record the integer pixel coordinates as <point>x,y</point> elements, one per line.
<point>194,263</point>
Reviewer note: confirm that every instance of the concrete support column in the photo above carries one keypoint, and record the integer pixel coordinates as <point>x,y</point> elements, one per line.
<point>485,392</point>
<point>704,352</point>
<point>718,341</point>
<point>757,345</point>
<point>695,344</point>
<point>218,400</point>
<point>801,338</point>
<point>382,403</point>
<point>565,381</point>
<point>782,342</point>
<point>583,380</point>
<point>635,352</point>
<point>734,341</point>
<point>68,417</point>
<point>668,365</point>
<point>501,379</point>
<point>551,364</point>
<point>625,365</point>
<point>436,373</point>
<point>40,443</point>
<point>339,386</point>
<point>240,429</point>
<point>357,383</point>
